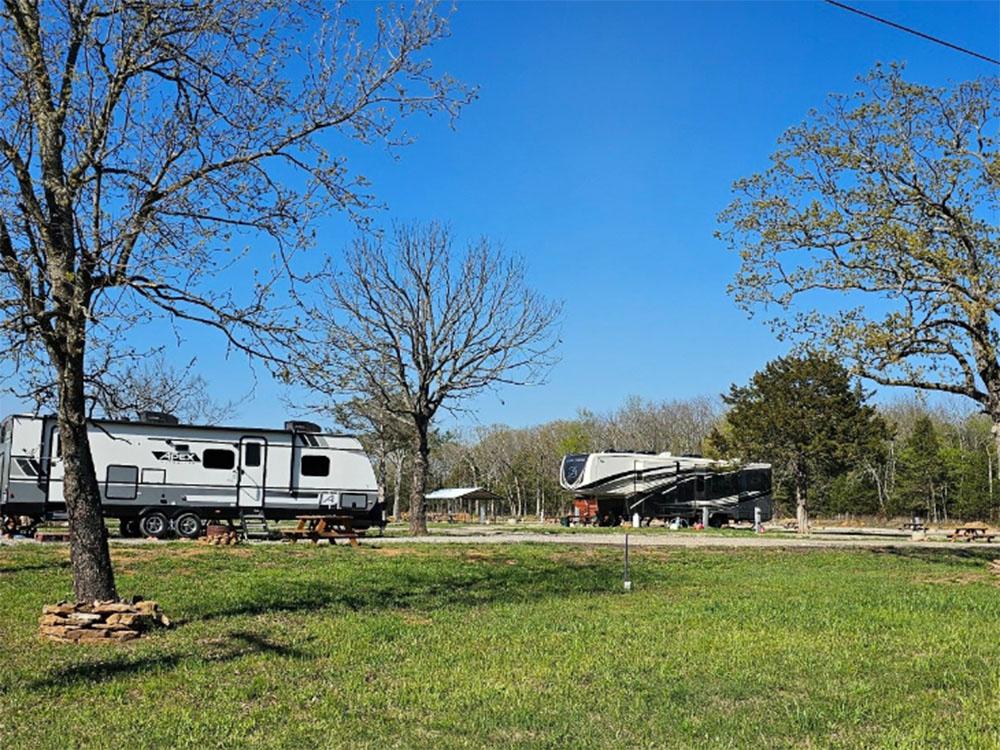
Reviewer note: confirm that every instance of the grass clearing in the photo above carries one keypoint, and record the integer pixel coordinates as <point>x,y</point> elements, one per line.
<point>528,645</point>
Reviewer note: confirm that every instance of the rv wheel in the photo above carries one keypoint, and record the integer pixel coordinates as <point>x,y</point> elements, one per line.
<point>154,525</point>
<point>188,525</point>
<point>718,521</point>
<point>129,527</point>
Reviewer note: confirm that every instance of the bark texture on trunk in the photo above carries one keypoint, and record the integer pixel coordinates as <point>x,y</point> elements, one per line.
<point>801,508</point>
<point>995,429</point>
<point>93,577</point>
<point>418,505</point>
<point>397,493</point>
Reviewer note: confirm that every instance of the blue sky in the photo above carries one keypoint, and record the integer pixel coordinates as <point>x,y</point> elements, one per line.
<point>602,146</point>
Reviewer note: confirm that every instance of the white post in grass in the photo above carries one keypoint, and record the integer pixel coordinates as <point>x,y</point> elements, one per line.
<point>704,516</point>
<point>756,519</point>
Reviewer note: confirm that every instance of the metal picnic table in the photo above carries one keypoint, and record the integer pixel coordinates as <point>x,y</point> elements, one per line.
<point>319,527</point>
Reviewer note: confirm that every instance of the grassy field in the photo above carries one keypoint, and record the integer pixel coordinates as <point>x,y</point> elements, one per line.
<point>516,646</point>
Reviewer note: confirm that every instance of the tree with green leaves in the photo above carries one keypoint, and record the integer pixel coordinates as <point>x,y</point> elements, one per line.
<point>805,417</point>
<point>874,235</point>
<point>922,472</point>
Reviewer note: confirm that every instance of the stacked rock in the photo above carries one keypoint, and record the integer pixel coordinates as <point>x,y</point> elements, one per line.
<point>98,622</point>
<point>216,534</point>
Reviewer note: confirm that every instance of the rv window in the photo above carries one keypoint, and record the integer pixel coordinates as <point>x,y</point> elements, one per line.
<point>315,466</point>
<point>252,454</point>
<point>218,458</point>
<point>120,482</point>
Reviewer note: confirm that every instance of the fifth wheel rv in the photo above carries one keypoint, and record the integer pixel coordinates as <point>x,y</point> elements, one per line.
<point>158,477</point>
<point>611,487</point>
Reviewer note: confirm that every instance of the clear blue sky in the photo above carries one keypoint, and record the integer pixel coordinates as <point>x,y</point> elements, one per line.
<point>602,147</point>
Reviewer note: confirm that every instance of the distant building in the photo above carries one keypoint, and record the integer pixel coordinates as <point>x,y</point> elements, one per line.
<point>462,503</point>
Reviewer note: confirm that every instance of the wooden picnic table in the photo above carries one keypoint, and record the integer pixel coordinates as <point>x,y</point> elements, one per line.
<point>319,527</point>
<point>973,532</point>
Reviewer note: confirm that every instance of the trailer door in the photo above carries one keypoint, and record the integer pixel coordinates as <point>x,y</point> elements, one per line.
<point>52,462</point>
<point>253,472</point>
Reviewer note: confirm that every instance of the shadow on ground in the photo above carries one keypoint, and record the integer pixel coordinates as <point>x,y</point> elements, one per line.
<point>939,555</point>
<point>497,582</point>
<point>232,645</point>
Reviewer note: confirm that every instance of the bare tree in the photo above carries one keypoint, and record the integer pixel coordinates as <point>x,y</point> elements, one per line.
<point>382,432</point>
<point>417,327</point>
<point>874,235</point>
<point>122,383</point>
<point>141,141</point>
<point>156,385</point>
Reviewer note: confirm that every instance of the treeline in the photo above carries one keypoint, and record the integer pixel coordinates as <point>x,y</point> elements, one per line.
<point>934,460</point>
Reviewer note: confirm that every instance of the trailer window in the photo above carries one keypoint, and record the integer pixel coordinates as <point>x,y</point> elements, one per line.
<point>315,466</point>
<point>120,482</point>
<point>252,454</point>
<point>218,458</point>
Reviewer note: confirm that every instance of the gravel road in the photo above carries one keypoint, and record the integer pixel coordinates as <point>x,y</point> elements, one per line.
<point>473,535</point>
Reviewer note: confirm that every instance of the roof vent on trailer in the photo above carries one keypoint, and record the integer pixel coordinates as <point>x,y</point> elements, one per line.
<point>297,425</point>
<point>157,417</point>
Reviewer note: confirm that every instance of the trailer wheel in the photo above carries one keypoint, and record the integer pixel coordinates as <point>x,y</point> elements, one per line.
<point>154,525</point>
<point>129,527</point>
<point>188,525</point>
<point>718,520</point>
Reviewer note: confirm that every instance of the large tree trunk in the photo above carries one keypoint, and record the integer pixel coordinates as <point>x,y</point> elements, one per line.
<point>418,509</point>
<point>397,493</point>
<point>801,507</point>
<point>93,577</point>
<point>995,429</point>
<point>382,458</point>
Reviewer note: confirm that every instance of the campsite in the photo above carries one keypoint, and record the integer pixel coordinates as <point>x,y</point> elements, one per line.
<point>499,375</point>
<point>521,645</point>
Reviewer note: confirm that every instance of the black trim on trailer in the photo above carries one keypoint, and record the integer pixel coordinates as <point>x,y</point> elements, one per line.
<point>302,492</point>
<point>291,468</point>
<point>108,482</point>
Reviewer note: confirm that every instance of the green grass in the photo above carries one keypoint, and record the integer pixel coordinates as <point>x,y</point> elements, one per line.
<point>517,646</point>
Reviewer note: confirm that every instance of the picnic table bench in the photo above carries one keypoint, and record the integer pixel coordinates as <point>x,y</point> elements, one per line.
<point>973,532</point>
<point>914,526</point>
<point>329,527</point>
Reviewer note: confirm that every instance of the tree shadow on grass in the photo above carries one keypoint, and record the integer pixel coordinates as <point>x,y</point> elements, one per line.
<point>34,567</point>
<point>499,582</point>
<point>233,645</point>
<point>966,553</point>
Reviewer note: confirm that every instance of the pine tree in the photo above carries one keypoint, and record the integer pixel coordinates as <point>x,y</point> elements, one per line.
<point>804,416</point>
<point>922,470</point>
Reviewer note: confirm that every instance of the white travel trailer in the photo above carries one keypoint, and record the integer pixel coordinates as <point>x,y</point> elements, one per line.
<point>613,486</point>
<point>158,476</point>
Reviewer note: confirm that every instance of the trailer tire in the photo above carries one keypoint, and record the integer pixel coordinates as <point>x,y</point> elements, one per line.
<point>188,526</point>
<point>155,525</point>
<point>718,520</point>
<point>128,527</point>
